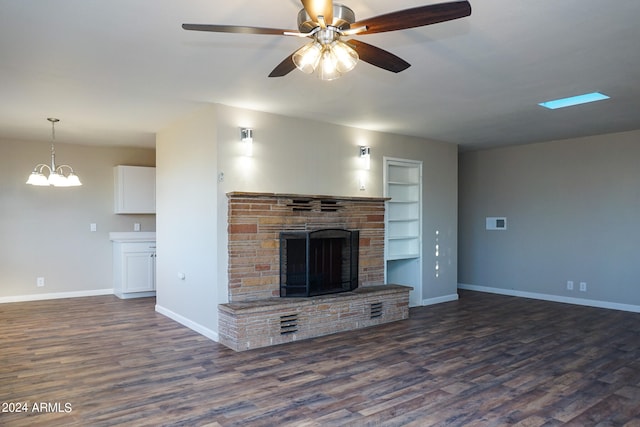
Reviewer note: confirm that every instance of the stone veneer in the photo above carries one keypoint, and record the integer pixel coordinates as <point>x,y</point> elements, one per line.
<point>261,323</point>
<point>254,315</point>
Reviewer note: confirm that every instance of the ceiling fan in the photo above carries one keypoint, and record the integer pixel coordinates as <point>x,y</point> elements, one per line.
<point>327,23</point>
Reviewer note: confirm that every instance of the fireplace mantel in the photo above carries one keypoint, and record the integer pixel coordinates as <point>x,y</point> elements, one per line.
<point>305,196</point>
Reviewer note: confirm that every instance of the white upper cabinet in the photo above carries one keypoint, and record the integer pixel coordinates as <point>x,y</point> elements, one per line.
<point>135,189</point>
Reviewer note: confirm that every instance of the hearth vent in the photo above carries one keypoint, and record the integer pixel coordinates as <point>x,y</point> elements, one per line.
<point>308,205</point>
<point>376,310</point>
<point>329,206</point>
<point>288,324</point>
<point>298,205</point>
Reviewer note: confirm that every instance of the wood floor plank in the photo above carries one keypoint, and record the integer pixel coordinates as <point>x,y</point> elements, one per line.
<point>485,360</point>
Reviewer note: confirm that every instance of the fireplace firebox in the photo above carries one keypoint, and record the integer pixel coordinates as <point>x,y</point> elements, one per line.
<point>318,262</point>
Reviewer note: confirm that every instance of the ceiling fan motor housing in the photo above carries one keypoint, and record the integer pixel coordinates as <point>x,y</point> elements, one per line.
<point>343,17</point>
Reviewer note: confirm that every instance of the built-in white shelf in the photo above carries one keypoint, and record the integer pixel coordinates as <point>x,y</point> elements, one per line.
<point>403,210</point>
<point>403,217</point>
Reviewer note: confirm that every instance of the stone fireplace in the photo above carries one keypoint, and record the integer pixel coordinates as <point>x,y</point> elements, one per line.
<point>256,316</point>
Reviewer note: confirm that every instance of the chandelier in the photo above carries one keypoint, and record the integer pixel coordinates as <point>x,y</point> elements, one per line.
<point>57,176</point>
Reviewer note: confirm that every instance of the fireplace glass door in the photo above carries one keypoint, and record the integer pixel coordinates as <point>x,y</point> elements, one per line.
<point>318,262</point>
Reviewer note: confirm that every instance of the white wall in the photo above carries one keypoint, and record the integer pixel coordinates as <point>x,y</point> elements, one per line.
<point>289,156</point>
<point>45,230</point>
<point>186,193</point>
<point>572,211</point>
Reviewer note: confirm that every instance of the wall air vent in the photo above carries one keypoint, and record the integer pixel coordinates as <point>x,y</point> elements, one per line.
<point>288,324</point>
<point>376,310</point>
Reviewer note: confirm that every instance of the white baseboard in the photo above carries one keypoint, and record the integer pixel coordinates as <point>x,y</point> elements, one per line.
<point>125,295</point>
<point>554,298</point>
<point>56,295</point>
<point>212,335</point>
<point>439,300</point>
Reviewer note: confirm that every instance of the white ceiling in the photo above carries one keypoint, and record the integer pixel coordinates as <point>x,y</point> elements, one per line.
<point>117,71</point>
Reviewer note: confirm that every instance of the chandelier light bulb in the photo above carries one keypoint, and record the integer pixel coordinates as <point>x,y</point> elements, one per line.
<point>56,179</point>
<point>38,179</point>
<point>73,180</point>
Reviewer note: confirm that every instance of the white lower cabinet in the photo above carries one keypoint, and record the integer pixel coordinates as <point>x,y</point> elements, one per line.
<point>134,269</point>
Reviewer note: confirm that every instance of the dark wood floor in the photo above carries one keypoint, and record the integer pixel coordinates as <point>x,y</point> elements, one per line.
<point>484,360</point>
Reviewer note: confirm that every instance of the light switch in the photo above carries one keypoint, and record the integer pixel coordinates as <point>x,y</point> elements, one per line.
<point>93,226</point>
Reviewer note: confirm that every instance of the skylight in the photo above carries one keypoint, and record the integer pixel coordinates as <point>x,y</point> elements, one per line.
<point>573,100</point>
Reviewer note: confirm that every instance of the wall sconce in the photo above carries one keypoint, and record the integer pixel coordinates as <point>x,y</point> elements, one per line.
<point>365,155</point>
<point>246,136</point>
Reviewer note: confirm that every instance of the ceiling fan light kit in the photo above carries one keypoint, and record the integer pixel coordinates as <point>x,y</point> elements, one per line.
<point>334,59</point>
<point>327,24</point>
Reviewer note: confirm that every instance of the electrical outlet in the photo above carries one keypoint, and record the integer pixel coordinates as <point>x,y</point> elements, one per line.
<point>569,285</point>
<point>136,226</point>
<point>583,286</point>
<point>40,282</point>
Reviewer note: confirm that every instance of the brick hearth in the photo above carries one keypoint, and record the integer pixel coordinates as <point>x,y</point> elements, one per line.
<point>255,221</point>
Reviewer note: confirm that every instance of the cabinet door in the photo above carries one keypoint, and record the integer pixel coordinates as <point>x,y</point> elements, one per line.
<point>135,189</point>
<point>138,269</point>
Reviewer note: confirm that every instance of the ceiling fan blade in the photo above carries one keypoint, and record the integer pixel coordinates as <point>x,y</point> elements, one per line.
<point>415,17</point>
<point>317,8</point>
<point>378,57</point>
<point>284,68</point>
<point>236,29</point>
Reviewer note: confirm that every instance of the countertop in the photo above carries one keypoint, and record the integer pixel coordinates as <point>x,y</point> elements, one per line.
<point>132,236</point>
